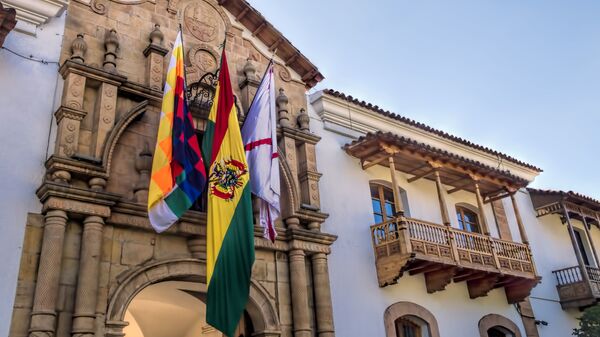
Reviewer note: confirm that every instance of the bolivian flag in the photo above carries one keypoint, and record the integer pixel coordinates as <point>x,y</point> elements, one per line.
<point>178,173</point>
<point>230,229</point>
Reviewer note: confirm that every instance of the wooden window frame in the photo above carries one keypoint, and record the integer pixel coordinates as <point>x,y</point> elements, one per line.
<point>460,212</point>
<point>382,201</point>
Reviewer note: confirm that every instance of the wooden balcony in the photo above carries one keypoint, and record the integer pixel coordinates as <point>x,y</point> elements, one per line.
<point>577,290</point>
<point>446,254</point>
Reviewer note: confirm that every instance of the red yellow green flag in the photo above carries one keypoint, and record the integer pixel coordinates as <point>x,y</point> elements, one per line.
<point>230,229</point>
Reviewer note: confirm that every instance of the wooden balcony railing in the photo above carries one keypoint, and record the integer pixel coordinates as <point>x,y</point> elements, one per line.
<point>407,244</point>
<point>575,289</point>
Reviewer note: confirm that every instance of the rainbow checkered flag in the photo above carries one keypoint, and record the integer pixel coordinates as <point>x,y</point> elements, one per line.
<point>178,171</point>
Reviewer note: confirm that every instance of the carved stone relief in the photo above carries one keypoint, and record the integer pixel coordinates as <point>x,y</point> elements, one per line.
<point>202,59</point>
<point>204,22</point>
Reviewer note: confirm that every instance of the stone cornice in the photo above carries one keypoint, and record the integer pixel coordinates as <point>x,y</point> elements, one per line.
<point>36,12</point>
<point>7,22</point>
<point>91,73</point>
<point>298,135</point>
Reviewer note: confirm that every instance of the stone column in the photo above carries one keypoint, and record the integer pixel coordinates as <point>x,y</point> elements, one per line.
<point>87,283</point>
<point>323,306</point>
<point>43,315</point>
<point>299,285</point>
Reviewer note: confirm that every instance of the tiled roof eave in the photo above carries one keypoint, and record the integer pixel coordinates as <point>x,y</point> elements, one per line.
<point>428,128</point>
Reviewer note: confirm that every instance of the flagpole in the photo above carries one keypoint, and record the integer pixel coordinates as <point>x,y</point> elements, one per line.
<point>183,52</point>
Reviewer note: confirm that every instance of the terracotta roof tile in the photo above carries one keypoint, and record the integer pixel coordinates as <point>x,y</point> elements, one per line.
<point>437,151</point>
<point>566,194</point>
<point>427,128</point>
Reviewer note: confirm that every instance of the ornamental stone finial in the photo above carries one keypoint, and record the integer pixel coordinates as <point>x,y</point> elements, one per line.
<point>111,44</point>
<point>78,49</point>
<point>303,120</point>
<point>282,108</point>
<point>249,69</point>
<point>156,36</point>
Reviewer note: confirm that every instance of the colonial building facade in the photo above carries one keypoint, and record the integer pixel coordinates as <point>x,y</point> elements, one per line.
<point>438,236</point>
<point>91,264</point>
<point>389,227</point>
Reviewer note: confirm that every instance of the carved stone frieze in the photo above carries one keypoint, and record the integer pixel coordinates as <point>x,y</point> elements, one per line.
<point>75,206</point>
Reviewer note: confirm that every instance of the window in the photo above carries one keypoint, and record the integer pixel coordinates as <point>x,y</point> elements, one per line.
<point>468,220</point>
<point>407,328</point>
<point>406,319</point>
<point>493,325</point>
<point>382,201</point>
<point>581,246</point>
<point>499,331</point>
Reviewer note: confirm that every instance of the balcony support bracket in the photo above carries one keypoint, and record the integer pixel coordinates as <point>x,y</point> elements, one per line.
<point>438,280</point>
<point>482,286</point>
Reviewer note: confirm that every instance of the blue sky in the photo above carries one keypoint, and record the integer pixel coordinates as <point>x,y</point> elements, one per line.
<point>522,77</point>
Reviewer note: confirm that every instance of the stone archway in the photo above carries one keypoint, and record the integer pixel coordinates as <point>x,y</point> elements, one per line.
<point>261,310</point>
<point>494,320</point>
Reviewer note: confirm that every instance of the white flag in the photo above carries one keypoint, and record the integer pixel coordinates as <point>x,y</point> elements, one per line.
<point>259,134</point>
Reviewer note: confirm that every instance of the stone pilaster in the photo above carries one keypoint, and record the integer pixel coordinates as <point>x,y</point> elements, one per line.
<point>155,57</point>
<point>43,315</point>
<point>308,175</point>
<point>299,285</point>
<point>323,305</point>
<point>106,108</point>
<point>87,283</point>
<point>70,115</point>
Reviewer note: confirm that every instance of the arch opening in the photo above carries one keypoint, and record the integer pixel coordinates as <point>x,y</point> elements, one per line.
<point>180,285</point>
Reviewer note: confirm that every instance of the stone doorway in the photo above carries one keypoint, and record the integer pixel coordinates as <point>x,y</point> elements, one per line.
<point>174,309</point>
<point>166,299</point>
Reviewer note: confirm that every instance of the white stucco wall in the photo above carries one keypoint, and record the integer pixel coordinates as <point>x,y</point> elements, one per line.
<point>26,101</point>
<point>553,250</point>
<point>358,302</point>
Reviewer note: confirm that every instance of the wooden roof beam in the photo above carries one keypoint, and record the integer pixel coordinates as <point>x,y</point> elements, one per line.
<point>373,163</point>
<point>260,27</point>
<point>460,187</point>
<point>422,175</point>
<point>242,13</point>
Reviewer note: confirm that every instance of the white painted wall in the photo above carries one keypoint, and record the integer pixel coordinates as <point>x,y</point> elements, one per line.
<point>552,250</point>
<point>26,102</point>
<point>358,302</point>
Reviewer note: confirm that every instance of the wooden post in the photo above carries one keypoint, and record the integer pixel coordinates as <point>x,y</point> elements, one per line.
<point>484,225</point>
<point>587,232</point>
<point>397,197</point>
<point>522,232</point>
<point>441,198</point>
<point>584,272</point>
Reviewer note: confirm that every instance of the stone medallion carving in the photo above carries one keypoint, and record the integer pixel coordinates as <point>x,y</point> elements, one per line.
<point>202,59</point>
<point>204,22</point>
